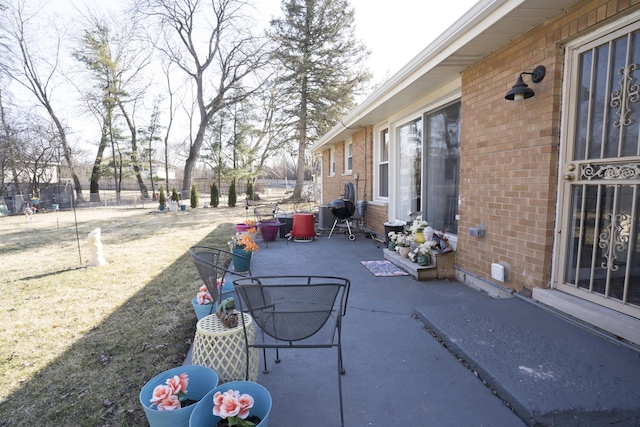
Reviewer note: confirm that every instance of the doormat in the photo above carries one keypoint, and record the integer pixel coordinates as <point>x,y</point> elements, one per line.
<point>384,268</point>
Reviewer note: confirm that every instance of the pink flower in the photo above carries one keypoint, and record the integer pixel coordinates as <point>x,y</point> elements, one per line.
<point>203,288</point>
<point>204,298</point>
<point>171,403</point>
<point>219,283</point>
<point>160,393</point>
<point>178,384</point>
<point>184,381</point>
<point>246,403</point>
<point>226,404</point>
<point>166,396</point>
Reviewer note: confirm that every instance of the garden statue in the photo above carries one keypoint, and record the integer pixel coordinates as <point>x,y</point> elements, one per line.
<point>95,249</point>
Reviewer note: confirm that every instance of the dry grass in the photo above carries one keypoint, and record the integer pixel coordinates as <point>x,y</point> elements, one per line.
<point>76,343</point>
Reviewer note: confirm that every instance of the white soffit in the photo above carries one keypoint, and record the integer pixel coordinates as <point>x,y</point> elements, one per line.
<point>486,27</point>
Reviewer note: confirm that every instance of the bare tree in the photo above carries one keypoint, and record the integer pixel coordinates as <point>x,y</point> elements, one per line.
<point>115,58</point>
<point>210,41</point>
<point>35,74</point>
<point>9,153</point>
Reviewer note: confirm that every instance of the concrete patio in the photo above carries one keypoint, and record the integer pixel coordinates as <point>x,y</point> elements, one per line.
<point>439,353</point>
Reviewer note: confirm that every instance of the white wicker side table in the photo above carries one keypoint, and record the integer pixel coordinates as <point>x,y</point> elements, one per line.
<point>223,349</point>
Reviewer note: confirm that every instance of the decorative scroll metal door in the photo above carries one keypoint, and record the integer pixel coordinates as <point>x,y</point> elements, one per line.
<point>599,245</point>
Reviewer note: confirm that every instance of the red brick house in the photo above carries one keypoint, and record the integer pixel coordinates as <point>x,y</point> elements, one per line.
<point>553,179</point>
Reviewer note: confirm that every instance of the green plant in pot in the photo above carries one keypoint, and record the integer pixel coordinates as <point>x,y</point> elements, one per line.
<point>175,197</point>
<point>175,200</point>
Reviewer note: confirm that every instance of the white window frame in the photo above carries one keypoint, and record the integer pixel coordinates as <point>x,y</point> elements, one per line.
<point>332,161</point>
<point>377,159</point>
<point>348,156</point>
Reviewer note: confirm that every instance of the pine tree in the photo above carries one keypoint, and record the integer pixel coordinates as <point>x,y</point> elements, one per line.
<point>215,195</point>
<point>249,190</point>
<point>162,199</point>
<point>232,194</point>
<point>323,62</point>
<point>175,197</point>
<point>194,196</point>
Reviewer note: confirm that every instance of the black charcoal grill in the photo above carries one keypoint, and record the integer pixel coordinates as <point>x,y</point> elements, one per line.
<point>343,209</point>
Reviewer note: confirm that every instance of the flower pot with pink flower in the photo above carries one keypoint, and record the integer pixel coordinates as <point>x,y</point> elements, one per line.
<point>236,403</point>
<point>204,303</point>
<point>169,398</point>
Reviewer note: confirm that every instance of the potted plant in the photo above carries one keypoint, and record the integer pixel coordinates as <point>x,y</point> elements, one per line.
<point>422,255</point>
<point>204,303</point>
<point>175,198</point>
<point>249,226</point>
<point>169,398</point>
<point>417,228</point>
<point>237,403</point>
<point>242,246</point>
<point>162,198</point>
<point>403,244</point>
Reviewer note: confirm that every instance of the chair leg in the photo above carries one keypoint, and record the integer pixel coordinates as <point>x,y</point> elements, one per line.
<point>277,356</point>
<point>340,373</point>
<point>264,357</point>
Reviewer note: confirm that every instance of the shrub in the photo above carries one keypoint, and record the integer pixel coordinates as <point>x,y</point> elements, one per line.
<point>249,190</point>
<point>194,197</point>
<point>232,194</point>
<point>174,195</point>
<point>215,195</point>
<point>163,198</point>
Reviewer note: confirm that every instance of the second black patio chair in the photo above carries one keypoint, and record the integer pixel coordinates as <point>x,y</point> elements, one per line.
<point>213,264</point>
<point>295,312</point>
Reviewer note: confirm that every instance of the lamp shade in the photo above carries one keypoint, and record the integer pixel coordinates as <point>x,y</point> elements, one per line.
<point>519,91</point>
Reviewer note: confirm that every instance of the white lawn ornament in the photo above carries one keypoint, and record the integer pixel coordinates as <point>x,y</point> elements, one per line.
<point>95,249</point>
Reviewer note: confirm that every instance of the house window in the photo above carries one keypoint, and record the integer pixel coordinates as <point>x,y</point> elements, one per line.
<point>442,165</point>
<point>428,168</point>
<point>409,137</point>
<point>332,162</point>
<point>383,164</point>
<point>348,156</point>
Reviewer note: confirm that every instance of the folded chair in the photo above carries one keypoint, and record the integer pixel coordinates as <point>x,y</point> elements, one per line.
<point>295,312</point>
<point>212,264</point>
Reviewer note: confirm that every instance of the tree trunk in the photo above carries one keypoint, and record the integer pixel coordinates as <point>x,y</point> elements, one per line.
<point>94,184</point>
<point>134,151</point>
<point>302,146</point>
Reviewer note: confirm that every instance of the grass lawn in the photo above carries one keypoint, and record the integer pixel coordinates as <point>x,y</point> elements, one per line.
<point>77,343</point>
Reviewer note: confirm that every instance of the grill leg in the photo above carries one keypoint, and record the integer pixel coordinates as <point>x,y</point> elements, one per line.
<point>334,226</point>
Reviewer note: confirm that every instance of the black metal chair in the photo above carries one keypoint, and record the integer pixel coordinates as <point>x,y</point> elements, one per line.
<point>295,312</point>
<point>212,264</point>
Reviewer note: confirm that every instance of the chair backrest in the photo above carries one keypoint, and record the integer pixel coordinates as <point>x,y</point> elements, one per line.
<point>265,212</point>
<point>212,264</point>
<point>293,308</point>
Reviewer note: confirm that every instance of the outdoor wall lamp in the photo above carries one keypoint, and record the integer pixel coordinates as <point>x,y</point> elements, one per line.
<point>520,90</point>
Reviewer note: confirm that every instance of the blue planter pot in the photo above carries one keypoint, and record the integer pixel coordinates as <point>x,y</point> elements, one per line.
<point>201,381</point>
<point>241,260</point>
<point>202,310</point>
<point>202,415</point>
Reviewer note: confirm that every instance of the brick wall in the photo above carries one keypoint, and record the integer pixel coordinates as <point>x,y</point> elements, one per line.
<point>362,165</point>
<point>509,150</point>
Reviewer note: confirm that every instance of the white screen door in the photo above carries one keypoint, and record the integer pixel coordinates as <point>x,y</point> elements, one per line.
<point>599,246</point>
